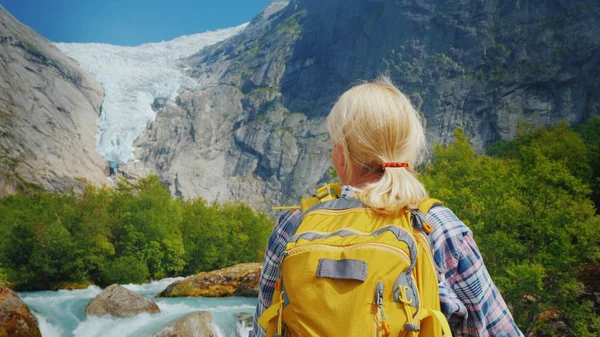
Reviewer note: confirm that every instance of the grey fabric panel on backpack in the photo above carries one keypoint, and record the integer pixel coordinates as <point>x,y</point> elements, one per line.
<point>418,219</point>
<point>403,236</point>
<point>405,280</point>
<point>347,269</point>
<point>337,204</point>
<point>310,236</point>
<point>400,234</point>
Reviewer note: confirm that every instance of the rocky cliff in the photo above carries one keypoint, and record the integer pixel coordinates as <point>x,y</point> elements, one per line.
<point>48,112</point>
<point>253,129</point>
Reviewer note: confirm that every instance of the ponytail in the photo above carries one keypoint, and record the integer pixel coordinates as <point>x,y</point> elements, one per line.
<point>398,188</point>
<point>375,123</point>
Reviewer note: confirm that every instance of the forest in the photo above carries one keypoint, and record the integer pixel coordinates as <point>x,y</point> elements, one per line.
<point>530,202</point>
<point>129,234</point>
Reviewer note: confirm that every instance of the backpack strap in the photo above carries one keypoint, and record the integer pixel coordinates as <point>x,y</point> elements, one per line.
<point>428,204</point>
<point>438,317</point>
<point>419,220</point>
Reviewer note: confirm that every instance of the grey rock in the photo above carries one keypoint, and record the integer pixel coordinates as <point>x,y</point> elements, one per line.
<point>197,324</point>
<point>118,301</point>
<point>48,112</point>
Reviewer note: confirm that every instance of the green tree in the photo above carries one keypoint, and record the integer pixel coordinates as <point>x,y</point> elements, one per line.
<point>38,250</point>
<point>92,235</point>
<point>147,226</point>
<point>124,269</point>
<point>589,133</point>
<point>204,235</point>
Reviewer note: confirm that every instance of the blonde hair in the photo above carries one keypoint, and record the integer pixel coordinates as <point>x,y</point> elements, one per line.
<point>376,123</point>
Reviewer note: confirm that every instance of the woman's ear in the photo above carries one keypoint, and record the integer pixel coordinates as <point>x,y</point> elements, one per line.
<point>339,162</point>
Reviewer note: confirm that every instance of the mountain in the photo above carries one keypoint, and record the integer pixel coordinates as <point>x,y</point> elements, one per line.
<point>252,129</point>
<point>48,112</point>
<point>133,78</point>
<point>243,119</point>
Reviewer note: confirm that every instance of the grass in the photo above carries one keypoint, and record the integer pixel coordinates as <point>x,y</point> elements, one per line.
<point>11,162</point>
<point>30,47</point>
<point>264,89</point>
<point>28,185</point>
<point>291,26</point>
<point>251,53</point>
<point>259,118</point>
<point>284,129</point>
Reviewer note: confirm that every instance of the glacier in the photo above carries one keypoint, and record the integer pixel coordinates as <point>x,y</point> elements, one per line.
<point>133,77</point>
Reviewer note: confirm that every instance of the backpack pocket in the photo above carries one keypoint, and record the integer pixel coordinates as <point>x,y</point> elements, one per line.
<point>347,290</point>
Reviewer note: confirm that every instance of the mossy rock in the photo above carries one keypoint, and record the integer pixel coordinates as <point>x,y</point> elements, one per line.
<point>16,320</point>
<point>238,280</point>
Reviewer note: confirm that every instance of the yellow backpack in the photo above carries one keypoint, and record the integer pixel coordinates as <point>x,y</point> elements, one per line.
<point>348,271</point>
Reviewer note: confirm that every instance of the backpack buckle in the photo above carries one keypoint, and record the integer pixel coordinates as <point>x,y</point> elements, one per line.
<point>327,191</point>
<point>323,190</point>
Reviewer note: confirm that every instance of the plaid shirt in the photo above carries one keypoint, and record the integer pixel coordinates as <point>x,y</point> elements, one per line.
<point>468,296</point>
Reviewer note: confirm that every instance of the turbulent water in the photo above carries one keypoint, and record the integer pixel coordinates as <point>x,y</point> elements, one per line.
<point>62,313</point>
<point>133,77</point>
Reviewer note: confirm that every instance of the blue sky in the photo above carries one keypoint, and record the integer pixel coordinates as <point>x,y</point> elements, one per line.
<point>129,22</point>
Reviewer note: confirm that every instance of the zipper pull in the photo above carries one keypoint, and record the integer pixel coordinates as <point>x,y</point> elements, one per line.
<point>379,300</point>
<point>379,294</point>
<point>386,329</point>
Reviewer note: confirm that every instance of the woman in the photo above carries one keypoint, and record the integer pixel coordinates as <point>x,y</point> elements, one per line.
<point>377,137</point>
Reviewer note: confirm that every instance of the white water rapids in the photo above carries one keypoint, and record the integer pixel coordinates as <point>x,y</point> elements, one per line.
<point>62,313</point>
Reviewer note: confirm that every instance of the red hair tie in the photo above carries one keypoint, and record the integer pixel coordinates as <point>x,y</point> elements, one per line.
<point>394,164</point>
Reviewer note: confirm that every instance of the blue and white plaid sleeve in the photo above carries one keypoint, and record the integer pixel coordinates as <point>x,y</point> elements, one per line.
<point>286,224</point>
<point>468,296</point>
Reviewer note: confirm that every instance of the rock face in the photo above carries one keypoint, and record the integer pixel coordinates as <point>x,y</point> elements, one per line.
<point>239,280</point>
<point>253,129</point>
<point>48,112</point>
<point>197,324</point>
<point>16,320</point>
<point>118,301</point>
<point>233,138</point>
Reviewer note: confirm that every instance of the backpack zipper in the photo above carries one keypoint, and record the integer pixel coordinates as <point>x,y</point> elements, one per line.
<point>396,251</point>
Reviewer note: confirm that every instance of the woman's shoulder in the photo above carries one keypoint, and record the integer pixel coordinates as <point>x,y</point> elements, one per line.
<point>445,222</point>
<point>448,232</point>
<point>287,224</point>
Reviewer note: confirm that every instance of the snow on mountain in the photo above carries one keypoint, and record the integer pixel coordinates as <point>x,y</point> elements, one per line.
<point>133,77</point>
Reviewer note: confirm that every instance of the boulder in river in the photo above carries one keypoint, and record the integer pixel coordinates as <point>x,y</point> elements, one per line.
<point>197,324</point>
<point>239,280</point>
<point>16,320</point>
<point>120,302</point>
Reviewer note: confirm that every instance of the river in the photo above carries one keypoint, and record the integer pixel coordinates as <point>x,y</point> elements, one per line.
<point>62,313</point>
